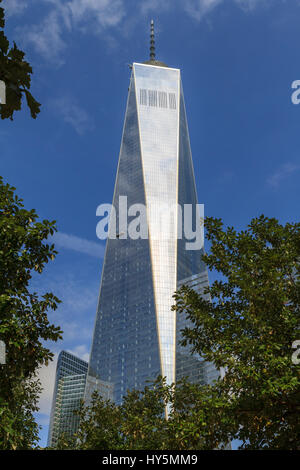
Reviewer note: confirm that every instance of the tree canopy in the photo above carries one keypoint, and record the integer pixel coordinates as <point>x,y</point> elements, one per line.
<point>249,328</point>
<point>16,73</point>
<point>140,423</point>
<point>24,323</point>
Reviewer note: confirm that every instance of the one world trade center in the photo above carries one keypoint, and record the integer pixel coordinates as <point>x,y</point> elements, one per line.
<point>136,333</point>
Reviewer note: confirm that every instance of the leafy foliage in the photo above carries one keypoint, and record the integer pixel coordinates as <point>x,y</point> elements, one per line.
<point>23,317</point>
<point>249,327</point>
<point>16,74</point>
<point>140,423</point>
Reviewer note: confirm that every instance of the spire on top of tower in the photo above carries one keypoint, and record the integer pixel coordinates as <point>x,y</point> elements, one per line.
<point>153,60</point>
<point>152,42</point>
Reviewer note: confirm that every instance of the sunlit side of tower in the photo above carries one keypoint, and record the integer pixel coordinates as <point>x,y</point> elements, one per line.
<point>136,332</point>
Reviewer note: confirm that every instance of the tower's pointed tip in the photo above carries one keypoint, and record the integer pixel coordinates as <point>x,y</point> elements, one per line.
<point>152,41</point>
<point>152,60</point>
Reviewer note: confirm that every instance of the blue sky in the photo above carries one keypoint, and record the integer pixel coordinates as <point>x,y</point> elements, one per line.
<point>238,60</point>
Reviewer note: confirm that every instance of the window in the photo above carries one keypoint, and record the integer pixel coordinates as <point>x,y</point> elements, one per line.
<point>152,96</point>
<point>143,97</point>
<point>156,98</point>
<point>162,99</point>
<point>172,101</point>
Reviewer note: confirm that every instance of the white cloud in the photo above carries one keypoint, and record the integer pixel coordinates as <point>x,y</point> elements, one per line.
<point>48,37</point>
<point>78,292</point>
<point>81,352</point>
<point>71,242</point>
<point>249,5</point>
<point>283,172</point>
<point>73,114</point>
<point>104,13</point>
<point>200,8</point>
<point>46,374</point>
<point>155,5</point>
<point>14,7</point>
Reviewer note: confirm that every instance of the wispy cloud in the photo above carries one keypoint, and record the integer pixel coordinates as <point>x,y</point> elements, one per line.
<point>250,5</point>
<point>48,37</point>
<point>282,173</point>
<point>14,7</point>
<point>73,114</point>
<point>103,13</point>
<point>155,5</point>
<point>72,242</point>
<point>80,351</point>
<point>200,8</point>
<point>75,316</point>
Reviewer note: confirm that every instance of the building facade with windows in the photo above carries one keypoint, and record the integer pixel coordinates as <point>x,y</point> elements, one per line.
<point>69,388</point>
<point>136,331</point>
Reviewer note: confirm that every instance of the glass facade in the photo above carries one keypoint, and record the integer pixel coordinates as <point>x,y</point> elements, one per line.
<point>104,389</point>
<point>69,390</point>
<point>125,346</point>
<point>136,332</point>
<point>190,365</point>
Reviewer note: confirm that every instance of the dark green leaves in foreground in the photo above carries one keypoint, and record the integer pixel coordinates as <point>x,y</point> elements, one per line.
<point>249,328</point>
<point>24,323</point>
<point>140,423</point>
<point>16,73</point>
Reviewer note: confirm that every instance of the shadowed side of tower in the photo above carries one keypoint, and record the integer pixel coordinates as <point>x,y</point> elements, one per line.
<point>125,346</point>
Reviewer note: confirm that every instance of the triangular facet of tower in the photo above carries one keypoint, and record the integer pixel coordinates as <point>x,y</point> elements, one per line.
<point>125,349</point>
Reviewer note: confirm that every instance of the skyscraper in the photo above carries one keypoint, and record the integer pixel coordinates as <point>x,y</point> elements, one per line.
<point>135,330</point>
<point>69,390</point>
